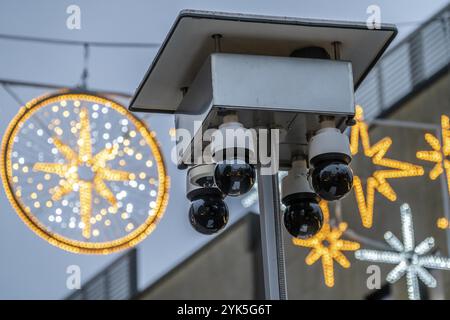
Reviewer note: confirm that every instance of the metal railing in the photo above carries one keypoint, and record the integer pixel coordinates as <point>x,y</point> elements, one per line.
<point>408,66</point>
<point>118,281</point>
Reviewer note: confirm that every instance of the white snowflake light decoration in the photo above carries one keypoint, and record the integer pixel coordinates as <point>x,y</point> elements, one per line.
<point>410,259</point>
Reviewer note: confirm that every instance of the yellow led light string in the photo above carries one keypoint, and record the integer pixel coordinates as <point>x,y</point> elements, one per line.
<point>440,155</point>
<point>436,155</point>
<point>327,245</point>
<point>378,180</point>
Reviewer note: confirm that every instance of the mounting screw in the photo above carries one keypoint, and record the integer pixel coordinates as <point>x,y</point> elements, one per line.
<point>337,50</point>
<point>217,43</point>
<point>184,90</point>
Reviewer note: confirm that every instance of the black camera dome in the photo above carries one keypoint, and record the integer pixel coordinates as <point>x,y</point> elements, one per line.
<point>234,177</point>
<point>303,217</point>
<point>332,180</point>
<point>208,213</point>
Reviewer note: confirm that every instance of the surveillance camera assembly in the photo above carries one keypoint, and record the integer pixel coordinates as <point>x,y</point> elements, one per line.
<point>330,156</point>
<point>303,217</point>
<point>234,175</point>
<point>329,178</point>
<point>229,76</point>
<point>311,126</point>
<point>208,213</point>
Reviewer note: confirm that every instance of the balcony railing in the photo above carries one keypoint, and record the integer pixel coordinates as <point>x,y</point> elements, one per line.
<point>118,281</point>
<point>408,66</point>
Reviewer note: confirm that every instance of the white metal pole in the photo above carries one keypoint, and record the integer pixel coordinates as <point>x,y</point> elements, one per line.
<point>271,233</point>
<point>271,237</point>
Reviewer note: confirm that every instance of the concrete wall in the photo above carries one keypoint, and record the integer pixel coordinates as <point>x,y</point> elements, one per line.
<point>227,268</point>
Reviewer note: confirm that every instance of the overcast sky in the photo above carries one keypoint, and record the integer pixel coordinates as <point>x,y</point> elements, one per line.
<point>31,268</point>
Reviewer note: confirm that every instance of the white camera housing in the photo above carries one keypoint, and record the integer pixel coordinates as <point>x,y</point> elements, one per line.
<point>296,181</point>
<point>233,141</point>
<point>199,179</point>
<point>329,143</point>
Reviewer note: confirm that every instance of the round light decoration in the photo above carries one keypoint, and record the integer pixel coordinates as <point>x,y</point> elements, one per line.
<point>84,173</point>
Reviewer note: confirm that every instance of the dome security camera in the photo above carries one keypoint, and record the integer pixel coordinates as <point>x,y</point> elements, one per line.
<point>303,217</point>
<point>329,155</point>
<point>234,175</point>
<point>208,213</point>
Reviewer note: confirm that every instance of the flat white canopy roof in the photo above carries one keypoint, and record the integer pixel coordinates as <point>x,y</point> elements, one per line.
<point>189,43</point>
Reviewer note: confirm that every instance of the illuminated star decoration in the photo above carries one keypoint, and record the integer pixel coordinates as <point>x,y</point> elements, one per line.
<point>84,172</point>
<point>410,259</point>
<point>439,152</point>
<point>327,244</point>
<point>378,180</point>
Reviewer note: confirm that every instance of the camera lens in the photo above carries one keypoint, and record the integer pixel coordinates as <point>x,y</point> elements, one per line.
<point>303,218</point>
<point>208,214</point>
<point>234,177</point>
<point>332,180</point>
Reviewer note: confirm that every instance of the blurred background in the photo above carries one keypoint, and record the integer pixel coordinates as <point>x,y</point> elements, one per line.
<point>403,98</point>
